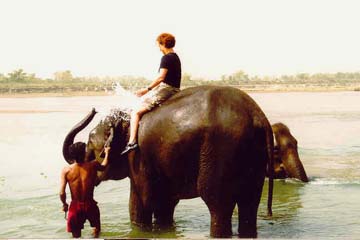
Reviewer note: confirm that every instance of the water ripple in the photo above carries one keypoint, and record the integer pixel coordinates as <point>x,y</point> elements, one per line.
<point>334,181</point>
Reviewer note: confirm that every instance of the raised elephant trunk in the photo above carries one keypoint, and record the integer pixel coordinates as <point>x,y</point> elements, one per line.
<point>69,139</point>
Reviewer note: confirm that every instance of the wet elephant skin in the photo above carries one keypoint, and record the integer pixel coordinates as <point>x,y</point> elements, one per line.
<point>209,142</point>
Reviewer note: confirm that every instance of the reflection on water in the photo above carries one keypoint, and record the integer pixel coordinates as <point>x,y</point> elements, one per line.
<point>326,125</point>
<point>170,232</point>
<point>287,201</point>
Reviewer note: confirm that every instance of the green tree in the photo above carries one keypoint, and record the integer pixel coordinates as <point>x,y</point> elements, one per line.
<point>2,77</point>
<point>17,76</point>
<point>303,76</point>
<point>185,77</point>
<point>63,76</point>
<point>223,77</point>
<point>240,75</point>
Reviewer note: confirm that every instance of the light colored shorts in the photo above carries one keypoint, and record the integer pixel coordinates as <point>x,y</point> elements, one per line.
<point>158,95</point>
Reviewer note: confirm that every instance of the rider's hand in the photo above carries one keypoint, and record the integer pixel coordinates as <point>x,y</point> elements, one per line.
<point>65,207</point>
<point>141,92</point>
<point>107,150</point>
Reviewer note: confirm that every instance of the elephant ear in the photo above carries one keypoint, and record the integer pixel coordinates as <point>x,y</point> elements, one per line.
<point>118,123</point>
<point>121,128</point>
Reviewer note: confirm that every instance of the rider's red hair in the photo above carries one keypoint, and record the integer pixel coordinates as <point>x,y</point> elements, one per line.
<point>166,39</point>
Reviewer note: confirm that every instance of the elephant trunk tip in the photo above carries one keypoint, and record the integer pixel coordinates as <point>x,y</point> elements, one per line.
<point>301,174</point>
<point>69,139</point>
<point>305,179</point>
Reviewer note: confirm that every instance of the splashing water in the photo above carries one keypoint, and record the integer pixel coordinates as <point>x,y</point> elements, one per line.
<point>128,99</point>
<point>125,101</point>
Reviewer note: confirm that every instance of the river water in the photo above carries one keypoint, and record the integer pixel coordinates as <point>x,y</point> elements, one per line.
<point>326,125</point>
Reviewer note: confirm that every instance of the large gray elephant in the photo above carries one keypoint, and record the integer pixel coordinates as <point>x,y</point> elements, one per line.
<point>209,142</point>
<point>287,163</point>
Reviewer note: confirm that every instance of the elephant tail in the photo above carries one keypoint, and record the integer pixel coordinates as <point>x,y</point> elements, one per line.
<point>270,166</point>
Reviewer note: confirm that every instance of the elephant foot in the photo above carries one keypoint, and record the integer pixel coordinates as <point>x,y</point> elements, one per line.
<point>142,222</point>
<point>164,223</point>
<point>164,212</point>
<point>219,232</point>
<point>247,232</point>
<point>163,226</point>
<point>220,226</point>
<point>221,211</point>
<point>147,227</point>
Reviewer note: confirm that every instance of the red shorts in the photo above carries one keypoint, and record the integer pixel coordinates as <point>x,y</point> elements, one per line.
<point>79,212</point>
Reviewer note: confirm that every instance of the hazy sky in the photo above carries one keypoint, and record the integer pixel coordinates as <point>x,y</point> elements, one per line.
<point>116,37</point>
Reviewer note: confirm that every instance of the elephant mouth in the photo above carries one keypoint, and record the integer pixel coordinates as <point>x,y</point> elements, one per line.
<point>280,172</point>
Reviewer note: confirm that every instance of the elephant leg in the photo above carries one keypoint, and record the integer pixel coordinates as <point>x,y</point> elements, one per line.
<point>221,219</point>
<point>250,190</point>
<point>164,203</point>
<point>248,204</point>
<point>140,211</point>
<point>215,180</point>
<point>221,205</point>
<point>164,212</point>
<point>247,220</point>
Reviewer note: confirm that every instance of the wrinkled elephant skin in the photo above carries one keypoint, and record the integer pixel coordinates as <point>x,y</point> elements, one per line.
<point>209,142</point>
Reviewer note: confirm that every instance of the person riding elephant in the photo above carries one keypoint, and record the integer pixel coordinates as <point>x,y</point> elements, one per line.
<point>287,162</point>
<point>163,87</point>
<point>209,141</point>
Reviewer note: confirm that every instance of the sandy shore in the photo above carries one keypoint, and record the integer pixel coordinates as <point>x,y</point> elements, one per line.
<point>53,94</point>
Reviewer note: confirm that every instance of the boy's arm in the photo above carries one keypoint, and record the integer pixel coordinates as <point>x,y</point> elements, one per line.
<point>62,192</point>
<point>102,166</point>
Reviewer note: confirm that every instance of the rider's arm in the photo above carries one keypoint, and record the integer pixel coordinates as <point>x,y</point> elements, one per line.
<point>159,79</point>
<point>102,166</point>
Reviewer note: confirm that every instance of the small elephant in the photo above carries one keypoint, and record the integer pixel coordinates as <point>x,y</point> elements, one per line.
<point>287,163</point>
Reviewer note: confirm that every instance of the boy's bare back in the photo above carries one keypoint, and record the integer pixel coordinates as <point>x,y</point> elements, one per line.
<point>81,178</point>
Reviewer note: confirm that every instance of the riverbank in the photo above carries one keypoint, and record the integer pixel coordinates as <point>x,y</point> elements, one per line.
<point>56,94</point>
<point>253,88</point>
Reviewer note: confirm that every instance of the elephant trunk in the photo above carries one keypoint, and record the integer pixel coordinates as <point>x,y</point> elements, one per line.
<point>294,167</point>
<point>69,139</point>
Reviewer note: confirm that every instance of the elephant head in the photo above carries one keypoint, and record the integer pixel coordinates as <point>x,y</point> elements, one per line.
<point>286,158</point>
<point>112,129</point>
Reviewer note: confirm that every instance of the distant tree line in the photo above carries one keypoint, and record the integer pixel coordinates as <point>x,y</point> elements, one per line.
<point>240,78</point>
<point>19,81</point>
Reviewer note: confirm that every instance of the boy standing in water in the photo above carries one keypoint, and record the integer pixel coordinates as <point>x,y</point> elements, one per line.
<point>81,177</point>
<point>162,88</point>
